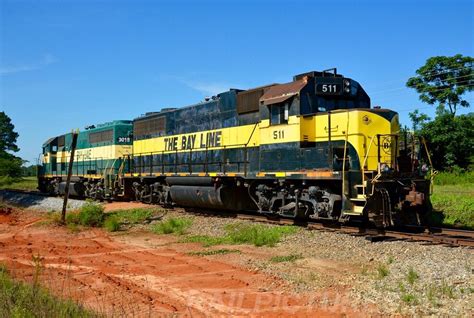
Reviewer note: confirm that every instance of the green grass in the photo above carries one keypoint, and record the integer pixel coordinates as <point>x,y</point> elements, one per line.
<point>239,233</point>
<point>25,183</point>
<point>132,216</point>
<point>453,205</point>
<point>412,276</point>
<point>114,220</point>
<point>409,299</point>
<point>447,290</point>
<point>205,240</point>
<point>172,226</point>
<point>454,178</point>
<point>91,214</point>
<point>221,251</point>
<point>112,224</point>
<point>18,299</point>
<point>257,234</point>
<point>286,258</point>
<point>382,271</point>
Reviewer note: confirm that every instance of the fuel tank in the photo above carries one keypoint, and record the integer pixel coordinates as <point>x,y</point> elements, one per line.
<point>210,197</point>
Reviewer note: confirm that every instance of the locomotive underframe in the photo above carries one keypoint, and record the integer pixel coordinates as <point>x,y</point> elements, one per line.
<point>390,200</point>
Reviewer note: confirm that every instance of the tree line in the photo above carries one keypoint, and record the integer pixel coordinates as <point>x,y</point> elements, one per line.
<point>443,82</point>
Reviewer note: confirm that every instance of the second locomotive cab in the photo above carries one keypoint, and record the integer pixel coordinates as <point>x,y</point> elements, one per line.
<point>311,148</point>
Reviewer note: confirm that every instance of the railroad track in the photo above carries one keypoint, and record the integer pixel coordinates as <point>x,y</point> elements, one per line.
<point>427,236</point>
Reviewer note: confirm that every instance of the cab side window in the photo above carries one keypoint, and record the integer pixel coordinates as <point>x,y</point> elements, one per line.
<point>279,114</point>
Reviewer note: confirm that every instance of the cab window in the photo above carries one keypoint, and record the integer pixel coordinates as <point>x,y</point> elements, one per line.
<point>279,114</point>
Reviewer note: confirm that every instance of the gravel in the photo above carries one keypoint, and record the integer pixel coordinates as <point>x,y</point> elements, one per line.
<point>399,278</point>
<point>395,277</point>
<point>38,202</point>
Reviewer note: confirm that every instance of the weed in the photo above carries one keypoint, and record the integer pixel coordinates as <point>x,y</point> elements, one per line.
<point>409,299</point>
<point>214,252</point>
<point>286,258</point>
<point>112,224</point>
<point>19,299</point>
<point>133,216</point>
<point>412,276</point>
<point>401,287</point>
<point>382,271</point>
<point>431,294</point>
<point>91,214</point>
<point>239,233</point>
<point>172,225</point>
<point>447,290</point>
<point>390,260</point>
<point>256,234</point>
<point>205,240</point>
<point>72,218</point>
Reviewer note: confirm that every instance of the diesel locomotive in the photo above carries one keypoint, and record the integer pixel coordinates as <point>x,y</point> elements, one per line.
<point>312,148</point>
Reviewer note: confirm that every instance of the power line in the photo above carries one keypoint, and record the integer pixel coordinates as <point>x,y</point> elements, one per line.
<point>432,73</point>
<point>403,87</point>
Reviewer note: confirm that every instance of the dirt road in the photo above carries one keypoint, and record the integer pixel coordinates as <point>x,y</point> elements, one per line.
<point>142,274</point>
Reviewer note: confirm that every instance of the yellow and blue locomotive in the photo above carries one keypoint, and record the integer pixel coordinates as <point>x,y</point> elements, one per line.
<point>311,148</point>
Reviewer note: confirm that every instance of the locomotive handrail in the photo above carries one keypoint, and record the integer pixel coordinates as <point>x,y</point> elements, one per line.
<point>363,166</point>
<point>344,157</point>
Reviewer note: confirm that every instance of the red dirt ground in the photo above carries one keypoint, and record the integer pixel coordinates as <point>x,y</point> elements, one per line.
<point>142,274</point>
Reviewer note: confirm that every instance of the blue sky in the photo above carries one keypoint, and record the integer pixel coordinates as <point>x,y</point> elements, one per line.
<point>68,64</point>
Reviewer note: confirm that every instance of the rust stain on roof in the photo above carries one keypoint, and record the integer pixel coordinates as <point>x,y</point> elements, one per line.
<point>283,92</point>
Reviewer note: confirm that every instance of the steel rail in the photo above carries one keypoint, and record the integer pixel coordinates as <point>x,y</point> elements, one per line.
<point>424,235</point>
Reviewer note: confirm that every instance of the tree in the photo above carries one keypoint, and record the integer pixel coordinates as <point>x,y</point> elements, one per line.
<point>444,80</point>
<point>450,140</point>
<point>418,119</point>
<point>10,165</point>
<point>7,134</point>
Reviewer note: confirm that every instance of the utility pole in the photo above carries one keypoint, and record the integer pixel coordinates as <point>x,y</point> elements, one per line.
<point>69,173</point>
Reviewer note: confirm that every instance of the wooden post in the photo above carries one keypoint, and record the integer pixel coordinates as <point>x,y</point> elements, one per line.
<point>69,173</point>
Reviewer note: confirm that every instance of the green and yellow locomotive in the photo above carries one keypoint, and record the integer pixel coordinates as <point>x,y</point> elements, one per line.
<point>97,161</point>
<point>311,148</point>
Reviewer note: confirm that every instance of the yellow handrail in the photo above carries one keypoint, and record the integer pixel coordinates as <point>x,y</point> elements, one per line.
<point>363,165</point>
<point>344,157</point>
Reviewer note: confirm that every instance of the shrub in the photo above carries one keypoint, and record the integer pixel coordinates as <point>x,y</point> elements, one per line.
<point>172,225</point>
<point>112,224</point>
<point>91,214</point>
<point>72,218</point>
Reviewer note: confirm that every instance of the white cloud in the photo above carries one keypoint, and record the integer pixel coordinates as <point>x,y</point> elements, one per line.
<point>208,88</point>
<point>46,60</point>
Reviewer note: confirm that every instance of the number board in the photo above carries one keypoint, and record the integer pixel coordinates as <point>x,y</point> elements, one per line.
<point>329,86</point>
